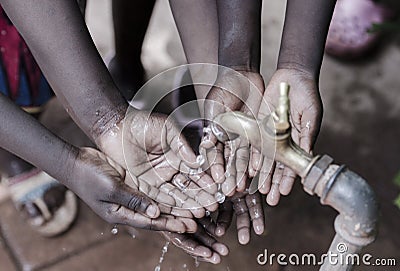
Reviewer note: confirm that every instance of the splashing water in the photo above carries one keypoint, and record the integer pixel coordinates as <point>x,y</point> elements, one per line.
<point>114,230</point>
<point>196,262</point>
<point>163,252</point>
<point>219,196</point>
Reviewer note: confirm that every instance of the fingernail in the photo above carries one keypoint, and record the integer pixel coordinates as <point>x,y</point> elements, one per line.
<point>259,229</point>
<point>152,211</point>
<point>220,231</point>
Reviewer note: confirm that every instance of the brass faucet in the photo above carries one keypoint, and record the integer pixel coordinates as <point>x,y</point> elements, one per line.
<point>270,135</point>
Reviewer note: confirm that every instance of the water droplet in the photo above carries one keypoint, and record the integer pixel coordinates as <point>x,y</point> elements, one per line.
<point>164,250</point>
<point>97,113</point>
<point>102,233</point>
<point>133,236</point>
<point>220,197</point>
<point>208,213</point>
<point>200,159</point>
<point>196,262</point>
<point>114,230</point>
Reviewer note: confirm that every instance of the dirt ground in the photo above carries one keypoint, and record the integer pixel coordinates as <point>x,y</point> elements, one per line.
<point>360,129</point>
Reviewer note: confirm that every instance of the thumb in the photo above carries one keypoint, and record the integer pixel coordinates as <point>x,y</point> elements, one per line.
<point>136,201</point>
<point>309,130</point>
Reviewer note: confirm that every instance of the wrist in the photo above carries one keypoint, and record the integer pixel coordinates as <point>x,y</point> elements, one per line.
<point>65,168</point>
<point>110,140</point>
<point>108,122</point>
<point>304,70</point>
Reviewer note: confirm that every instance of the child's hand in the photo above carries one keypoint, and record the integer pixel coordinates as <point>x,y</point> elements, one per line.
<point>229,163</point>
<point>161,163</point>
<point>249,212</point>
<point>305,118</point>
<point>200,244</point>
<point>99,181</point>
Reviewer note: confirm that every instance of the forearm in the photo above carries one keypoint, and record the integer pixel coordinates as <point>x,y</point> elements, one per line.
<point>58,38</point>
<point>22,135</point>
<point>304,35</point>
<point>239,34</point>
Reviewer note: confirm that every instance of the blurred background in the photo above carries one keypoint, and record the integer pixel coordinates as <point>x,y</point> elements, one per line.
<point>361,128</point>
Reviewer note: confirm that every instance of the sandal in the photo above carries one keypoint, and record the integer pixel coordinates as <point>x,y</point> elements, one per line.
<point>49,207</point>
<point>349,34</point>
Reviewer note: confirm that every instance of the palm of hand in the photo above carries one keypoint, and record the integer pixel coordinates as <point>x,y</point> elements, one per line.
<point>305,118</point>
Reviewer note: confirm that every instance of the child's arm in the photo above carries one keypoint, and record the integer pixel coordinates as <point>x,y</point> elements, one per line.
<point>299,63</point>
<point>304,35</point>
<point>57,35</point>
<point>93,176</point>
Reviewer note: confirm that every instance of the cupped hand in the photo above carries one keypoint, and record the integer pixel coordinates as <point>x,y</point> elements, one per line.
<point>229,162</point>
<point>249,212</point>
<point>200,244</point>
<point>100,182</point>
<point>305,118</point>
<point>161,163</point>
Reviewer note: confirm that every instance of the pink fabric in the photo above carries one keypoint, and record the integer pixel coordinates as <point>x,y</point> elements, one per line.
<point>14,52</point>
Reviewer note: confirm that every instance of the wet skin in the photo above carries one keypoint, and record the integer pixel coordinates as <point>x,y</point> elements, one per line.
<point>82,83</point>
<point>215,19</point>
<point>87,91</point>
<point>299,63</point>
<point>93,176</point>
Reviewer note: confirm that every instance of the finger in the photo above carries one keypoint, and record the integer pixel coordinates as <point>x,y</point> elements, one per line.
<point>155,194</point>
<point>174,211</point>
<point>180,146</point>
<point>191,189</point>
<point>256,211</point>
<point>255,162</point>
<point>224,219</point>
<point>208,140</point>
<point>215,158</point>
<point>309,130</point>
<point>229,185</point>
<point>242,220</point>
<point>274,195</point>
<point>201,178</point>
<point>222,222</point>
<point>266,172</point>
<point>136,201</point>
<point>183,201</point>
<point>126,216</point>
<point>188,244</point>
<point>209,241</point>
<point>288,179</point>
<point>242,164</point>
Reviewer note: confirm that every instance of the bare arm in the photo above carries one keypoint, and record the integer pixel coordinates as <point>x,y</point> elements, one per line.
<point>299,63</point>
<point>303,39</point>
<point>93,176</point>
<point>58,38</point>
<point>239,34</point>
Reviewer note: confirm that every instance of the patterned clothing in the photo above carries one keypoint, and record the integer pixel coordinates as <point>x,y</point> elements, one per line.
<point>20,77</point>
